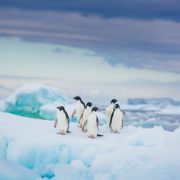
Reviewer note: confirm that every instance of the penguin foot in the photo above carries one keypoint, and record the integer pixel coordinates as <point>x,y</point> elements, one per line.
<point>92,137</point>
<point>62,133</point>
<point>116,131</point>
<point>84,130</point>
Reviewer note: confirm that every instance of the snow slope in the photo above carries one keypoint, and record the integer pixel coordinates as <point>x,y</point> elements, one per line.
<point>35,150</point>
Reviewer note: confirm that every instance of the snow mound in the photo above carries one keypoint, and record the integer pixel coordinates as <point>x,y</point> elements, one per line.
<point>32,100</point>
<point>13,171</point>
<point>134,153</point>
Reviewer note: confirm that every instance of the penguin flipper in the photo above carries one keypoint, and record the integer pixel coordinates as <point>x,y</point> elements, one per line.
<point>97,122</point>
<point>55,123</point>
<point>85,124</point>
<point>100,135</point>
<point>80,119</point>
<point>111,119</point>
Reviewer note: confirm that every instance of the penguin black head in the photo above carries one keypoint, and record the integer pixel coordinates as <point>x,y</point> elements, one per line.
<point>61,108</point>
<point>77,98</point>
<point>89,104</point>
<point>114,101</point>
<point>117,106</point>
<point>95,109</point>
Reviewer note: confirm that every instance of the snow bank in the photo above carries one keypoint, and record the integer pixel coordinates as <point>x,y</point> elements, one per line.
<point>33,100</point>
<point>134,153</point>
<point>13,171</point>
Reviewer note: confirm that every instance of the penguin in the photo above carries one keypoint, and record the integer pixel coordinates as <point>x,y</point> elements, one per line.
<point>80,106</point>
<point>109,110</point>
<point>62,121</point>
<point>116,120</point>
<point>92,124</point>
<point>85,116</point>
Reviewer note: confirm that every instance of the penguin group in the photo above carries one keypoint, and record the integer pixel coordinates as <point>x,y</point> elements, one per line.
<point>87,118</point>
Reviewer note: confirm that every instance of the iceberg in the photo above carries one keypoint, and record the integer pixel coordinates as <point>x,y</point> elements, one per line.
<point>32,100</point>
<point>34,148</point>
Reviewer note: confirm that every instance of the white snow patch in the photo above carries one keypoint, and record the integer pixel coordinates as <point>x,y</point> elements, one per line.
<point>13,171</point>
<point>134,153</point>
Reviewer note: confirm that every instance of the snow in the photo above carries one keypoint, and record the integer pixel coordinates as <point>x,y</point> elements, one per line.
<point>32,148</point>
<point>13,171</point>
<point>34,100</point>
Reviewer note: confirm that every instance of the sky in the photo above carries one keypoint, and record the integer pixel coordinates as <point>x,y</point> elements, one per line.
<point>97,48</point>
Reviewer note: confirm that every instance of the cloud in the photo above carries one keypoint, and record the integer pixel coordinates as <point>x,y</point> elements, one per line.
<point>153,44</point>
<point>139,9</point>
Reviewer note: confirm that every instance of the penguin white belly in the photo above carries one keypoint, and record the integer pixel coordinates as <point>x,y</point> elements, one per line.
<point>92,126</point>
<point>86,114</point>
<point>108,113</point>
<point>79,111</point>
<point>116,124</point>
<point>62,123</point>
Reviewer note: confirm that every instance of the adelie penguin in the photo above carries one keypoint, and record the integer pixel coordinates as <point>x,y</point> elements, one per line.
<point>116,120</point>
<point>93,124</point>
<point>86,114</point>
<point>109,110</point>
<point>80,106</point>
<point>62,121</point>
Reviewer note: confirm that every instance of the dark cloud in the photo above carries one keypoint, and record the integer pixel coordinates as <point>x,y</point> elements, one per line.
<point>139,9</point>
<point>153,44</point>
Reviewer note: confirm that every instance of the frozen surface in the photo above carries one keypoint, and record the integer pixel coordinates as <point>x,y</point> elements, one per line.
<point>34,100</point>
<point>39,101</point>
<point>170,110</point>
<point>154,101</point>
<point>13,171</point>
<point>134,153</point>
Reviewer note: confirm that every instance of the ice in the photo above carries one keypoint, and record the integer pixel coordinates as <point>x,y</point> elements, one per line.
<point>48,111</point>
<point>33,100</point>
<point>153,101</point>
<point>2,105</point>
<point>39,101</point>
<point>172,110</point>
<point>134,153</point>
<point>12,171</point>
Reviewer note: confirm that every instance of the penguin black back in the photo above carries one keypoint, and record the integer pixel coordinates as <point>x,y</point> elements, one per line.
<point>79,98</point>
<point>94,109</point>
<point>61,108</point>
<point>113,101</point>
<point>88,104</point>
